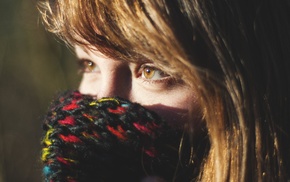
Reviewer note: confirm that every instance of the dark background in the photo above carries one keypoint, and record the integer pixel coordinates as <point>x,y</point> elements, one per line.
<point>34,65</point>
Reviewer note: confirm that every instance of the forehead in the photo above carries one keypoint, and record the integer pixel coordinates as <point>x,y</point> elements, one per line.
<point>93,53</point>
<point>84,52</point>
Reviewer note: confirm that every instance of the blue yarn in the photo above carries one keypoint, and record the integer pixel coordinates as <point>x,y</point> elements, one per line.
<point>46,170</point>
<point>125,105</point>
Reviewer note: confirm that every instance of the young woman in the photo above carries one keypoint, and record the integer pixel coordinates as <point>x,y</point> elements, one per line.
<point>216,69</point>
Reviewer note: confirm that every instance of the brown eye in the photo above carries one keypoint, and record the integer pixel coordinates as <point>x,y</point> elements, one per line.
<point>152,73</point>
<point>87,66</point>
<point>90,66</point>
<point>148,72</point>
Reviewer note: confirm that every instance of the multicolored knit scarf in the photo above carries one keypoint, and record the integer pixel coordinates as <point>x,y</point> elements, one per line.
<point>109,139</point>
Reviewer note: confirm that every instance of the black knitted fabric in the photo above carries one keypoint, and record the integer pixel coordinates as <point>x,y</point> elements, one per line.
<point>110,139</point>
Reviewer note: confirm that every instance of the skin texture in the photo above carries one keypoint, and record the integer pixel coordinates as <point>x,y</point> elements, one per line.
<point>105,77</point>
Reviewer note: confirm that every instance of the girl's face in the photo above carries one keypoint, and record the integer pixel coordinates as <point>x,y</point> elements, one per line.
<point>137,82</point>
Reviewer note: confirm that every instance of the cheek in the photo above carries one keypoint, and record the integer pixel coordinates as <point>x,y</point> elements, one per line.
<point>83,87</point>
<point>89,84</point>
<point>175,106</point>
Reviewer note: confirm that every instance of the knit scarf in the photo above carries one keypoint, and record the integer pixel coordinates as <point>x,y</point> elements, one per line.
<point>110,139</point>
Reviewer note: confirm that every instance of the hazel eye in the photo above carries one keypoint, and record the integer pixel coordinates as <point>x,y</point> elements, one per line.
<point>87,66</point>
<point>152,73</point>
<point>90,65</point>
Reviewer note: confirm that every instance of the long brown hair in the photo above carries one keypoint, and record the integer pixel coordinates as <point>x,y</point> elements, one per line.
<point>234,54</point>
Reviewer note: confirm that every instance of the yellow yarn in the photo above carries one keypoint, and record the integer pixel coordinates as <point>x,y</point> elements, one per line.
<point>45,153</point>
<point>47,140</point>
<point>104,100</point>
<point>70,160</point>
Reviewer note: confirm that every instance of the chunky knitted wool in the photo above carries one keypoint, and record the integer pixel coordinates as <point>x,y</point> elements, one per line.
<point>109,139</point>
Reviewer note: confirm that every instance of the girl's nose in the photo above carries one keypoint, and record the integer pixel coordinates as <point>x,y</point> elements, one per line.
<point>117,82</point>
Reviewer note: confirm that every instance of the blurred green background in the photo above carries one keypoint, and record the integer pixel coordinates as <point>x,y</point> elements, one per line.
<point>34,65</point>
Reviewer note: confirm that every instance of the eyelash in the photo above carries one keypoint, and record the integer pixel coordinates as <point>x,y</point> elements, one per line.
<point>165,78</point>
<point>88,66</point>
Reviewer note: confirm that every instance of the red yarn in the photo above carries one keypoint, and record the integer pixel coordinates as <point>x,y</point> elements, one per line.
<point>141,128</point>
<point>151,152</point>
<point>77,95</point>
<point>119,110</point>
<point>117,133</point>
<point>62,160</point>
<point>70,138</point>
<point>69,120</point>
<point>71,106</point>
<point>90,117</point>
